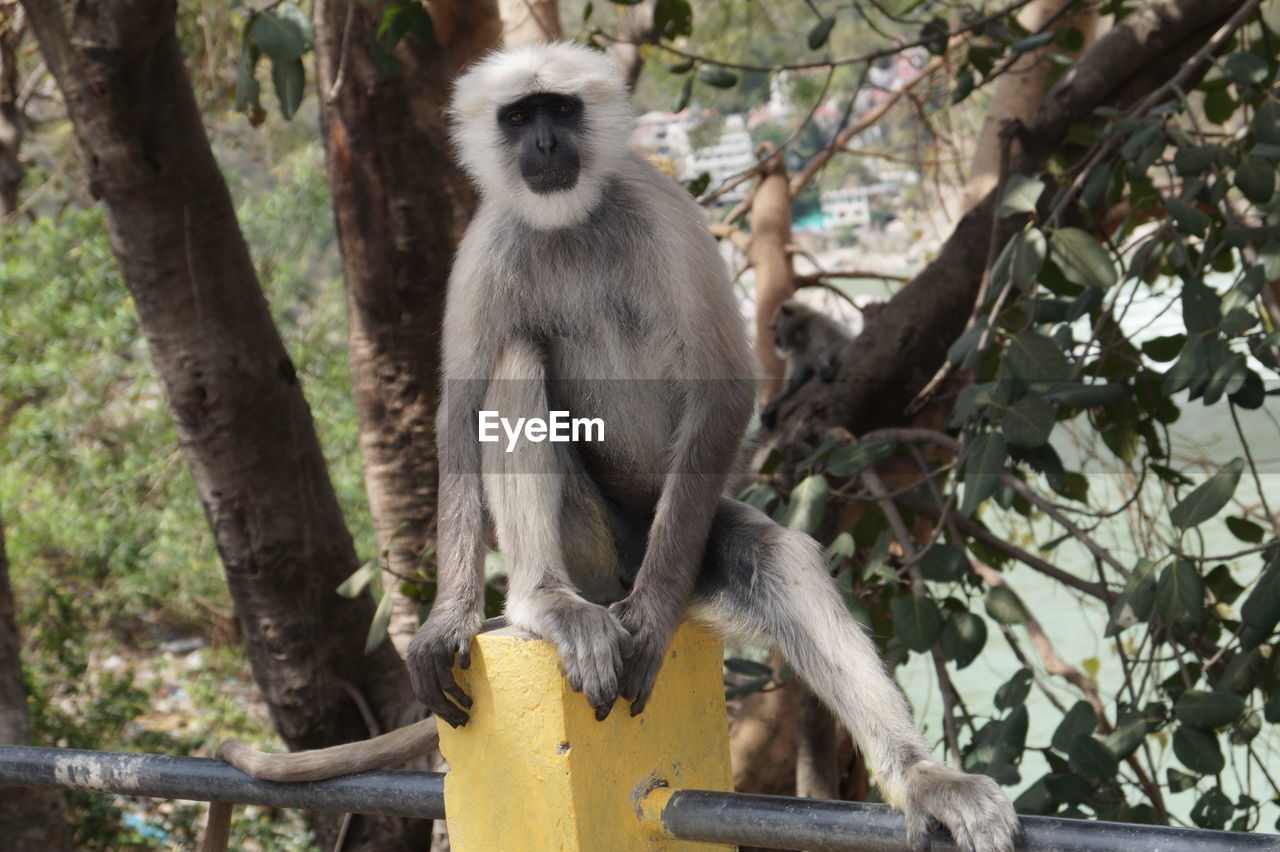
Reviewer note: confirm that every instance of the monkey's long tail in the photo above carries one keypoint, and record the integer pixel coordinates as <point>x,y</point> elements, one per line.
<point>389,749</point>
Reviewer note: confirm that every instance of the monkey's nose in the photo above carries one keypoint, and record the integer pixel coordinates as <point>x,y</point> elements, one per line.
<point>545,143</point>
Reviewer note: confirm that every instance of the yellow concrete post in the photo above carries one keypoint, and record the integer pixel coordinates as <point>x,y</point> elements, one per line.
<point>533,771</point>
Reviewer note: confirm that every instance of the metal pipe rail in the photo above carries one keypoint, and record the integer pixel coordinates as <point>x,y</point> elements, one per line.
<point>201,779</point>
<point>776,822</point>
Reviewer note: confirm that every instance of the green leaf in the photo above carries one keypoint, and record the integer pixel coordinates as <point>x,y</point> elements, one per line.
<point>1164,349</point>
<point>1093,761</point>
<point>1214,808</point>
<point>1082,260</point>
<point>1028,422</point>
<point>1266,123</point>
<point>1256,178</point>
<point>284,33</point>
<point>1179,780</point>
<point>359,580</point>
<point>290,80</point>
<point>1188,219</point>
<point>1198,750</point>
<point>1014,691</point>
<point>1261,610</point>
<point>1033,357</point>
<point>1028,259</point>
<point>983,464</point>
<point>1080,395</point>
<point>850,461</point>
<point>1004,606</point>
<point>1136,601</point>
<point>1079,721</point>
<point>248,91</point>
<point>1246,68</point>
<point>378,628</point>
<point>1180,594</point>
<point>1020,195</point>
<point>1031,42</point>
<point>1208,710</point>
<point>963,87</point>
<point>1128,735</point>
<point>1193,161</point>
<point>1218,106</point>
<point>717,76</point>
<point>1271,710</point>
<point>1209,497</point>
<point>808,504</point>
<point>1246,530</point>
<point>673,18</point>
<point>963,637</point>
<point>750,668</point>
<point>821,32</point>
<point>1246,730</point>
<point>944,563</point>
<point>917,621</point>
<point>682,100</point>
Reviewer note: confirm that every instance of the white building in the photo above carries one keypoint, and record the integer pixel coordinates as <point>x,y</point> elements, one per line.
<point>731,154</point>
<point>666,135</point>
<point>851,205</point>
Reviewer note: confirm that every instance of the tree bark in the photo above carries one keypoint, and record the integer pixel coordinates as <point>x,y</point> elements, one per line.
<point>635,28</point>
<point>530,21</point>
<point>883,369</point>
<point>400,206</point>
<point>31,820</point>
<point>11,168</point>
<point>231,388</point>
<point>767,252</point>
<point>1020,90</point>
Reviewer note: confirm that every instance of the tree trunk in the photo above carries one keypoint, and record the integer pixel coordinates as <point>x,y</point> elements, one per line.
<point>231,388</point>
<point>31,819</point>
<point>400,206</point>
<point>530,21</point>
<point>635,28</point>
<point>11,169</point>
<point>770,234</point>
<point>1020,90</point>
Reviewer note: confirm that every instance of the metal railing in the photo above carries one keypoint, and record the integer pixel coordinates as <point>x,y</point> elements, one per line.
<point>776,822</point>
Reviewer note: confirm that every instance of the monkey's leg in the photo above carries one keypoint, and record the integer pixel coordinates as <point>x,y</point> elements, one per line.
<point>526,486</point>
<point>761,580</point>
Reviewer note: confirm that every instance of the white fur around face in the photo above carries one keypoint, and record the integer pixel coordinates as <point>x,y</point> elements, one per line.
<point>507,75</point>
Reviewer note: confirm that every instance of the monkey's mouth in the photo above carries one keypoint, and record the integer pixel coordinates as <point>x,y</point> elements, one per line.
<point>548,179</point>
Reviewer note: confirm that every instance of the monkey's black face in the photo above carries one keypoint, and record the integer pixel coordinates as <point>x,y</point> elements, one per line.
<point>543,130</point>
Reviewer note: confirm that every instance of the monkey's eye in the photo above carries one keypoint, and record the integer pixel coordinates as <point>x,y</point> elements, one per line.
<point>517,116</point>
<point>565,109</point>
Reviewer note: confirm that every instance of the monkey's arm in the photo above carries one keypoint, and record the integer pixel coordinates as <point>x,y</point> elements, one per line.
<point>715,414</point>
<point>796,378</point>
<point>458,608</point>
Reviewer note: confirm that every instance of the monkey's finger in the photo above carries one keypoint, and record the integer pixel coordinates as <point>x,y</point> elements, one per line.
<point>455,692</point>
<point>626,645</point>
<point>464,656</point>
<point>602,712</point>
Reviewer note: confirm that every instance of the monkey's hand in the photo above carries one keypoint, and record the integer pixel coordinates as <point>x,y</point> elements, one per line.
<point>447,634</point>
<point>651,638</point>
<point>590,641</point>
<point>972,807</point>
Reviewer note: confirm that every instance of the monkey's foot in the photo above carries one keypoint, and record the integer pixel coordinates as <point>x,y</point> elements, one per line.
<point>446,636</point>
<point>972,807</point>
<point>640,671</point>
<point>591,642</point>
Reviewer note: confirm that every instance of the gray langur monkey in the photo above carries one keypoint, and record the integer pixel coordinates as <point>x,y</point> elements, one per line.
<point>809,341</point>
<point>588,281</point>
